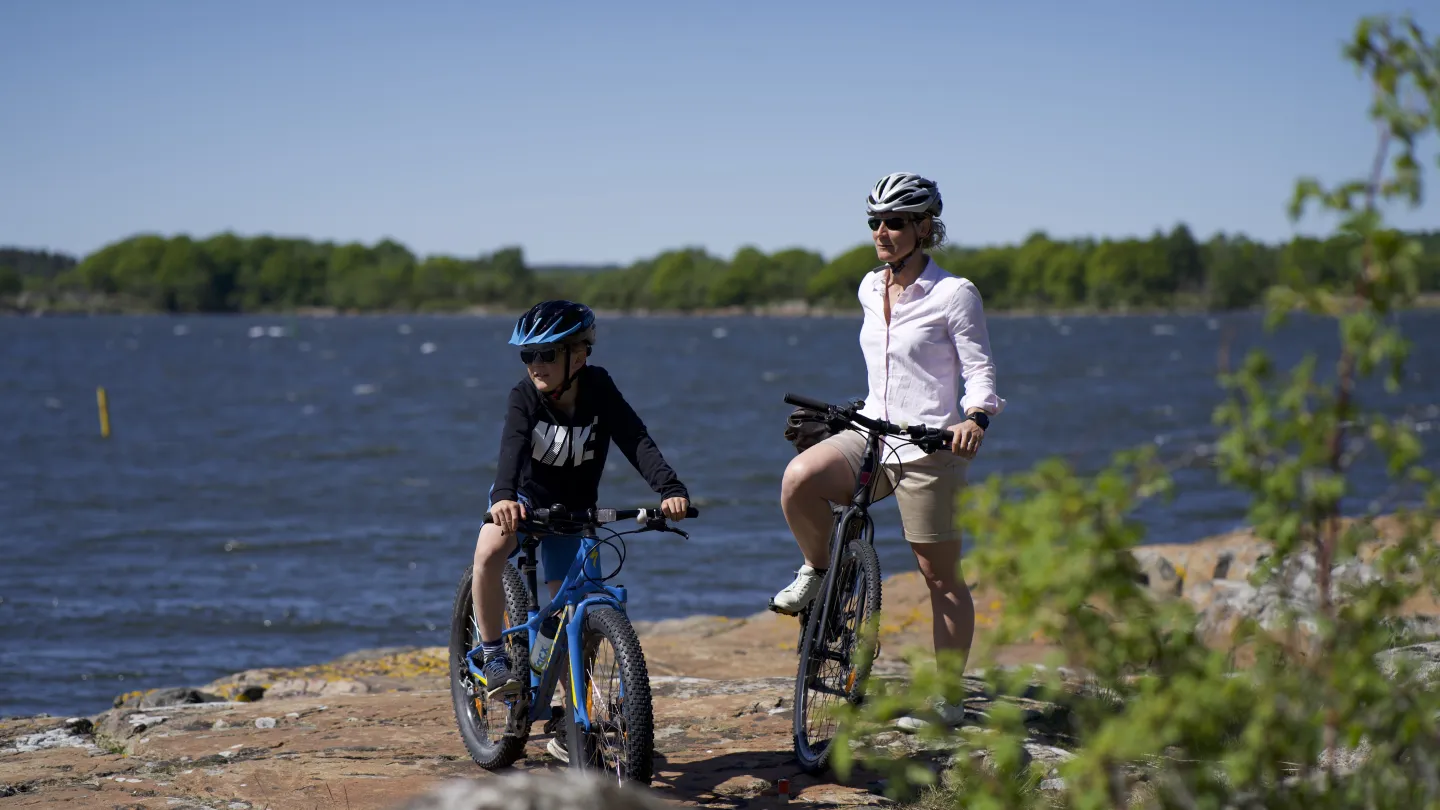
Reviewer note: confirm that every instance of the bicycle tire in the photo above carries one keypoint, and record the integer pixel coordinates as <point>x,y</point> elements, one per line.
<point>501,750</point>
<point>858,575</point>
<point>635,761</point>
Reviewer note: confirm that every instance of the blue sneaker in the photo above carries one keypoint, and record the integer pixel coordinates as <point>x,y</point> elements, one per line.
<point>498,677</point>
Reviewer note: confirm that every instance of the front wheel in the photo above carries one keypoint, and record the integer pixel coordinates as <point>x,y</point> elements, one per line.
<point>494,731</point>
<point>835,658</point>
<point>615,690</point>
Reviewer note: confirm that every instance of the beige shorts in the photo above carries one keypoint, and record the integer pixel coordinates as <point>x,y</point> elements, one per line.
<point>926,489</point>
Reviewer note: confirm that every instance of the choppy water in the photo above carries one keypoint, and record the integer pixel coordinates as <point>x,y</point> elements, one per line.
<point>280,491</point>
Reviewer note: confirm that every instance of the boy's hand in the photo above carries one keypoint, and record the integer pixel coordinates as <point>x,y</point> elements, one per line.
<point>507,515</point>
<point>674,508</point>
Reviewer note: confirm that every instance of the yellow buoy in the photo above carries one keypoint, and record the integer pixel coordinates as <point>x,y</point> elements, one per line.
<point>104,411</point>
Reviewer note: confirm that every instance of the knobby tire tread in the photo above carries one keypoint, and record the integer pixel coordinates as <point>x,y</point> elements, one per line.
<point>503,751</point>
<point>814,755</point>
<point>636,712</point>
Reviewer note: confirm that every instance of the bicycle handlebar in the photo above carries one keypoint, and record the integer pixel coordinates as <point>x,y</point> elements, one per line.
<point>560,514</point>
<point>852,414</point>
<point>806,402</point>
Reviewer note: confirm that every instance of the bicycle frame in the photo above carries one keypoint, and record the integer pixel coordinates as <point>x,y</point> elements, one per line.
<point>859,507</point>
<point>578,593</point>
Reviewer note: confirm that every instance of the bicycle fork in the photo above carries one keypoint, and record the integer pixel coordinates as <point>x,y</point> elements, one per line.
<point>821,648</point>
<point>859,503</point>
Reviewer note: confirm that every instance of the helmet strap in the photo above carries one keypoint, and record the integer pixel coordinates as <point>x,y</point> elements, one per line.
<point>898,267</point>
<point>569,377</point>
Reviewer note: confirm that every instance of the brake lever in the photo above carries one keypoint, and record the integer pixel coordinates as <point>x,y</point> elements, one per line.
<point>932,442</point>
<point>659,525</point>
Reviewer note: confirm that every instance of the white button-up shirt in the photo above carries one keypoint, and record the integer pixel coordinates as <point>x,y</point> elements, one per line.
<point>915,364</point>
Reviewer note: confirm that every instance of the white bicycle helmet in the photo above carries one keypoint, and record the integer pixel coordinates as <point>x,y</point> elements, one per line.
<point>904,192</point>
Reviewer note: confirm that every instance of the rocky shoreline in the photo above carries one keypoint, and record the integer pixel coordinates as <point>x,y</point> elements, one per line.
<point>374,729</point>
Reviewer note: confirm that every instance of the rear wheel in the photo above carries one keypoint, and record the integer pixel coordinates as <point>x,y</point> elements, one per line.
<point>615,691</point>
<point>835,658</point>
<point>494,731</point>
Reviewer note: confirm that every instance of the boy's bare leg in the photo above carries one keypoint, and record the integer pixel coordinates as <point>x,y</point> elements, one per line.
<point>487,590</point>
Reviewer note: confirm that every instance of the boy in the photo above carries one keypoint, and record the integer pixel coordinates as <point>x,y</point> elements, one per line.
<point>558,427</point>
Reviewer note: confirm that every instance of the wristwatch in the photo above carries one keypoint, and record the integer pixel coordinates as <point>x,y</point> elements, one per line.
<point>980,418</point>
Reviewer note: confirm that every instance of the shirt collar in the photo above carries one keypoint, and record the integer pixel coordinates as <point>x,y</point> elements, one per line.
<point>926,280</point>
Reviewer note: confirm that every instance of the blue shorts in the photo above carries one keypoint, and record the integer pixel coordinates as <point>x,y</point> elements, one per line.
<point>557,552</point>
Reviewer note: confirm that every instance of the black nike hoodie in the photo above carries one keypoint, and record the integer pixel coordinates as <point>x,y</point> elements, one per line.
<point>554,459</point>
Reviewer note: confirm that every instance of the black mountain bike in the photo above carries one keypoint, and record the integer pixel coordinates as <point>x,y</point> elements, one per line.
<point>839,638</point>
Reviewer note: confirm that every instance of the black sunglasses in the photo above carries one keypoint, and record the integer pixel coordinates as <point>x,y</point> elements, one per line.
<point>893,223</point>
<point>528,356</point>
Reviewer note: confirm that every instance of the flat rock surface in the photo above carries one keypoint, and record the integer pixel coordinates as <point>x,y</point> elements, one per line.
<point>375,728</point>
<point>719,743</point>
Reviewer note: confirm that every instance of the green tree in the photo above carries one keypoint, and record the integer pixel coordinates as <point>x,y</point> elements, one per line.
<point>625,289</point>
<point>1028,283</point>
<point>1065,275</point>
<point>227,272</point>
<point>837,283</point>
<point>745,281</point>
<point>442,281</point>
<point>990,270</point>
<point>1184,260</point>
<point>10,281</point>
<point>1316,263</point>
<point>682,278</point>
<point>1111,275</point>
<point>788,274</point>
<point>506,279</point>
<point>1239,272</point>
<point>370,278</point>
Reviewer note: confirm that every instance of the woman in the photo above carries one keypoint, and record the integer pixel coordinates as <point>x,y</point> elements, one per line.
<point>923,334</point>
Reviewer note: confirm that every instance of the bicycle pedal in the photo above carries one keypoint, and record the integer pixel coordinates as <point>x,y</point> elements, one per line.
<point>775,609</point>
<point>557,717</point>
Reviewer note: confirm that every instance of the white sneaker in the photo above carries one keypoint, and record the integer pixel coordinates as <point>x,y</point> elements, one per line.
<point>951,716</point>
<point>557,750</point>
<point>798,594</point>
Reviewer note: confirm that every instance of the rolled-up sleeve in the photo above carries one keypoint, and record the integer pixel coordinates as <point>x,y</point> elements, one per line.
<point>966,317</point>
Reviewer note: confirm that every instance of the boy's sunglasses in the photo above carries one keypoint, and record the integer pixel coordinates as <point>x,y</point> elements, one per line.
<point>893,223</point>
<point>528,356</point>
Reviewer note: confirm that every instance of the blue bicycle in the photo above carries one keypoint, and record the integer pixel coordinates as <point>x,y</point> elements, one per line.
<point>607,715</point>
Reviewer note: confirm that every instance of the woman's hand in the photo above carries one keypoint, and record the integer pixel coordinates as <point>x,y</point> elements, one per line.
<point>966,438</point>
<point>507,515</point>
<point>675,508</point>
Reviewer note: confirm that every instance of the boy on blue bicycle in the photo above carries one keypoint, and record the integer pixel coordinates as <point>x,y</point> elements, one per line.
<point>558,427</point>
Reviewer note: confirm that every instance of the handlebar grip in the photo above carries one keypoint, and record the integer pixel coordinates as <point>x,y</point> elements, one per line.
<point>540,515</point>
<point>655,514</point>
<point>806,402</point>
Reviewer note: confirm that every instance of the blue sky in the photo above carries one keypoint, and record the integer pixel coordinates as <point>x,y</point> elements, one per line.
<point>606,132</point>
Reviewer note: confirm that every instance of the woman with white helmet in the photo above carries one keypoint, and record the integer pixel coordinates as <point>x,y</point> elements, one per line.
<point>923,336</point>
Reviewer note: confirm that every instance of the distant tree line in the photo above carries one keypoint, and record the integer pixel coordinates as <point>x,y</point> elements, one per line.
<point>229,273</point>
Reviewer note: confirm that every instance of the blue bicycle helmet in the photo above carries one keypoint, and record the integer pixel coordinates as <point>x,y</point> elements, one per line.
<point>554,322</point>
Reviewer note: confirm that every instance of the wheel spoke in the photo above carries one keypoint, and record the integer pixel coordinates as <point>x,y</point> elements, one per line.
<point>494,731</point>
<point>833,659</point>
<point>617,701</point>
